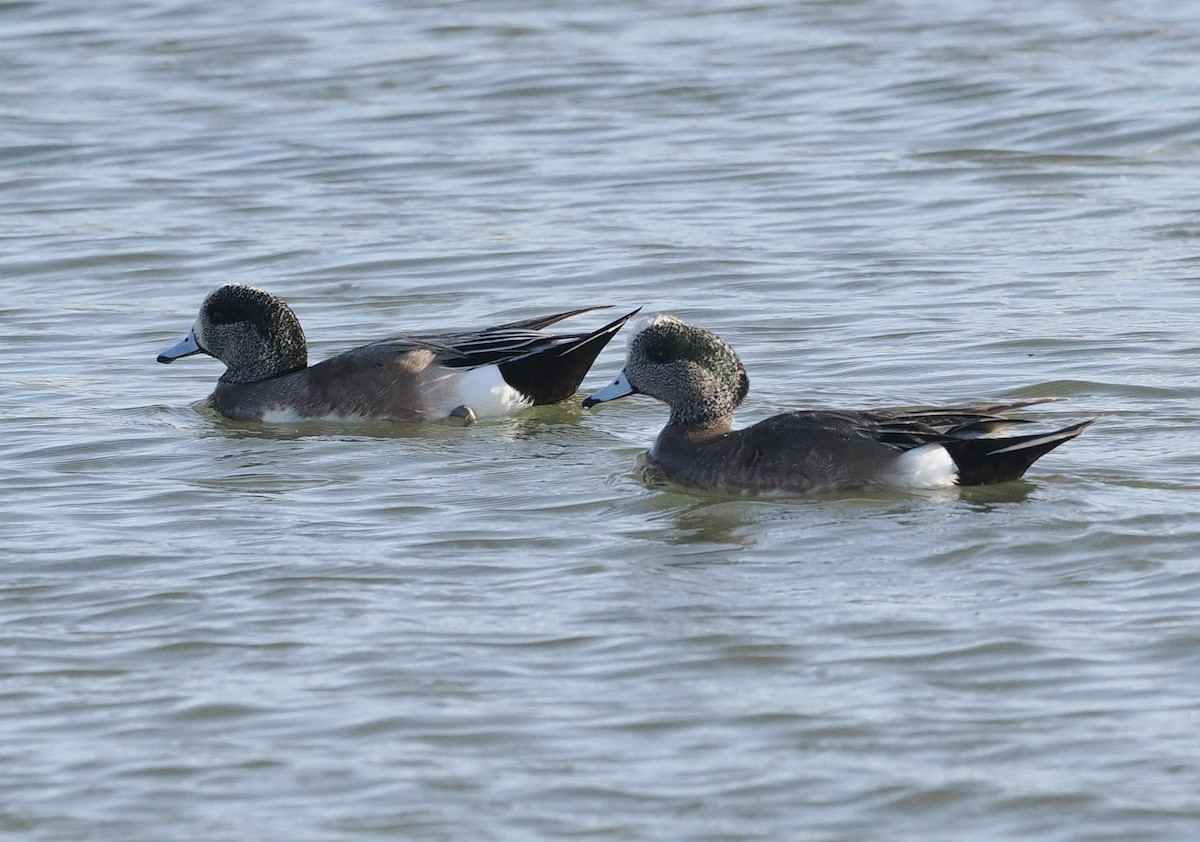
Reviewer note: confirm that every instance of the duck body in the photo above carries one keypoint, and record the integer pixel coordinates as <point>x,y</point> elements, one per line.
<point>701,379</point>
<point>358,384</point>
<point>818,451</point>
<point>400,379</point>
<point>791,452</point>
<point>493,371</point>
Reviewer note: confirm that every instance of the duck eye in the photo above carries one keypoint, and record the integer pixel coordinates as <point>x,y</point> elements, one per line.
<point>227,312</point>
<point>657,354</point>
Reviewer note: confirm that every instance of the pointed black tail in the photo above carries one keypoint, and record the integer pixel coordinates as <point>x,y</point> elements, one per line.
<point>552,374</point>
<point>984,461</point>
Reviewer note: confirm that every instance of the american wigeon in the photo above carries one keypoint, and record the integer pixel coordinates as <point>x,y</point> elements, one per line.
<point>702,380</point>
<point>493,371</point>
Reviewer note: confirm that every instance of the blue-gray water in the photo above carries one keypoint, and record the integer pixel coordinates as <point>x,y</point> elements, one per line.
<point>223,632</point>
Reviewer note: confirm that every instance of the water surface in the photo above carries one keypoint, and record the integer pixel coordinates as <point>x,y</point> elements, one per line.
<point>222,631</point>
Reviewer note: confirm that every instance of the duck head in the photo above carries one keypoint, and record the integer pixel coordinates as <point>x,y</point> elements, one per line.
<point>693,371</point>
<point>253,332</point>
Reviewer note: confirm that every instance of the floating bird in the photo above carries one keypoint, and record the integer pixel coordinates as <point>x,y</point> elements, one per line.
<point>453,374</point>
<point>701,379</point>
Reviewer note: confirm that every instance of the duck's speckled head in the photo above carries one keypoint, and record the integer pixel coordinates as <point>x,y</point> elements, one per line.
<point>253,332</point>
<point>696,373</point>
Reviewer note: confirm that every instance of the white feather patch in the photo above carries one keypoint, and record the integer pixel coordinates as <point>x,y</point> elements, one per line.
<point>288,415</point>
<point>645,323</point>
<point>928,466</point>
<point>280,416</point>
<point>484,390</point>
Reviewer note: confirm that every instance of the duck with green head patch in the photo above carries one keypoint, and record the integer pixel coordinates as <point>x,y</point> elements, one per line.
<point>414,377</point>
<point>702,381</point>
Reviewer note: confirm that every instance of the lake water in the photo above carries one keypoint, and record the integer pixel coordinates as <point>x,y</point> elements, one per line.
<point>230,632</point>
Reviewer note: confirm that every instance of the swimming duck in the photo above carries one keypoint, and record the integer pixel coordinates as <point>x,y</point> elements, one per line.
<point>462,374</point>
<point>701,379</point>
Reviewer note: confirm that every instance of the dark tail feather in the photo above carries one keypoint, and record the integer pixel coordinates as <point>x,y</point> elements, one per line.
<point>988,461</point>
<point>1007,406</point>
<point>553,374</point>
<point>543,322</point>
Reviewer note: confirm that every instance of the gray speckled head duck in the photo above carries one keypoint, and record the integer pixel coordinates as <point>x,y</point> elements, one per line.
<point>255,334</point>
<point>701,379</point>
<point>462,374</point>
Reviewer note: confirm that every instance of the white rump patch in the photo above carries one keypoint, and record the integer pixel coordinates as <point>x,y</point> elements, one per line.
<point>484,390</point>
<point>928,466</point>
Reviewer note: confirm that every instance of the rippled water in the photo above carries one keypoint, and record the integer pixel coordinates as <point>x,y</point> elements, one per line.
<point>219,631</point>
